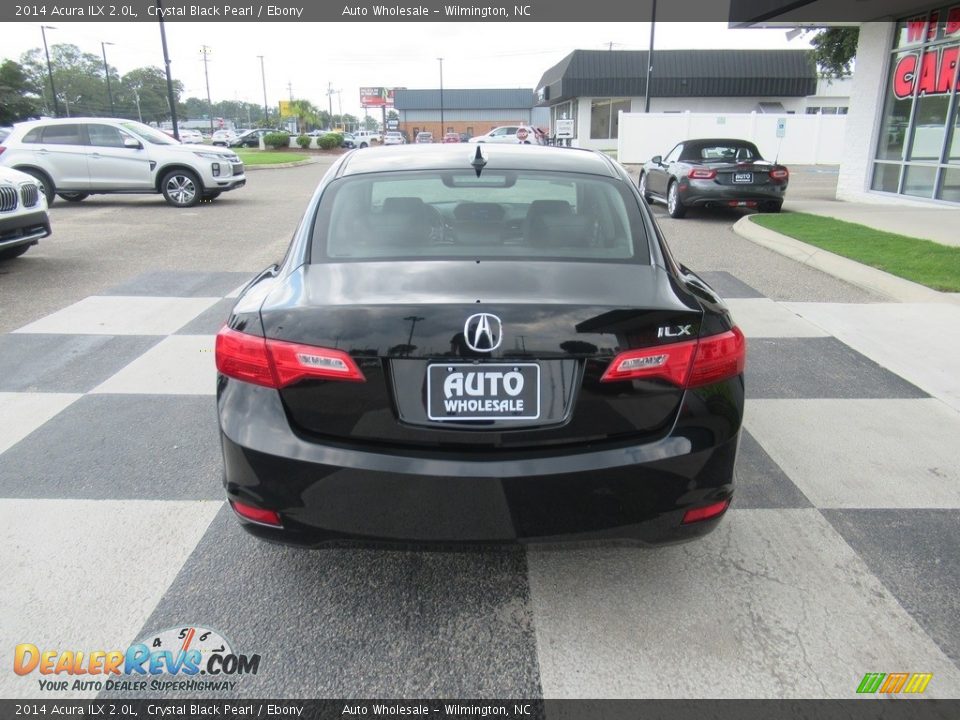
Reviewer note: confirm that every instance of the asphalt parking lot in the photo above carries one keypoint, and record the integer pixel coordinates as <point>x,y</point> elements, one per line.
<point>838,557</point>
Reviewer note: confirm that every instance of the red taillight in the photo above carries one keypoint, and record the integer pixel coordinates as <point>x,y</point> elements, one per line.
<point>705,513</point>
<point>668,362</point>
<point>277,364</point>
<point>255,514</point>
<point>244,357</point>
<point>294,362</point>
<point>780,173</point>
<point>684,364</point>
<point>718,357</point>
<point>702,174</point>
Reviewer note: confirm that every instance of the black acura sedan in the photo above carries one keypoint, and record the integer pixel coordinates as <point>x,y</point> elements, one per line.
<point>714,173</point>
<point>479,345</point>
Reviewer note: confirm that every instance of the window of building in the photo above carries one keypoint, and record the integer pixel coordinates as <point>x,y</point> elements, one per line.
<point>918,148</point>
<point>605,117</point>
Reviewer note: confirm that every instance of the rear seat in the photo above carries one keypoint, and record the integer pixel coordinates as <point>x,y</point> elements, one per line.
<point>552,223</point>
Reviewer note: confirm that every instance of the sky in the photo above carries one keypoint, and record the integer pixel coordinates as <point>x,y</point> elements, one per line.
<point>305,57</point>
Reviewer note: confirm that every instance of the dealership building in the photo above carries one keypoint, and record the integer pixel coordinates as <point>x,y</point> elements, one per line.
<point>902,137</point>
<point>903,128</point>
<point>591,87</point>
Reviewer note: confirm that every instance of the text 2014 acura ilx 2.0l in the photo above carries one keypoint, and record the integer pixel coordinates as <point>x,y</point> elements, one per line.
<point>479,345</point>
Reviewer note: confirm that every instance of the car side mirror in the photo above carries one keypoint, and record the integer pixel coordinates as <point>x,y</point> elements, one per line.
<point>657,160</point>
<point>132,143</point>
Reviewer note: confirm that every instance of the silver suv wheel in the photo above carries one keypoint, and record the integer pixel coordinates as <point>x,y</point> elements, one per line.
<point>181,188</point>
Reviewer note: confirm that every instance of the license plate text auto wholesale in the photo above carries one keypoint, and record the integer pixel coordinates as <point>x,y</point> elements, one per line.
<point>483,391</point>
<point>743,177</point>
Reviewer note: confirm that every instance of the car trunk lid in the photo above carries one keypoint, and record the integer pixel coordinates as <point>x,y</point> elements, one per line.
<point>407,326</point>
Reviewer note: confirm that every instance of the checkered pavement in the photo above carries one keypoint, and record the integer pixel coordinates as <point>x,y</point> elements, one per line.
<point>838,557</point>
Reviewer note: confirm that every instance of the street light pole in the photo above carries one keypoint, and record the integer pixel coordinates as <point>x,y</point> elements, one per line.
<point>646,89</point>
<point>442,129</point>
<point>204,50</point>
<point>106,72</point>
<point>263,77</point>
<point>53,88</point>
<point>166,62</point>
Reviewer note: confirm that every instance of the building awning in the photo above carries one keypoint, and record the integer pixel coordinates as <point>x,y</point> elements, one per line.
<point>773,108</point>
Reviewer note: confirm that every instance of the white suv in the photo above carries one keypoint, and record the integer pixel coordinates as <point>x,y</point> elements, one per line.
<point>78,157</point>
<point>367,137</point>
<point>23,213</point>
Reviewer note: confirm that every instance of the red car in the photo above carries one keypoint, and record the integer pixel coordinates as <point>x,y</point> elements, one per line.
<point>451,138</point>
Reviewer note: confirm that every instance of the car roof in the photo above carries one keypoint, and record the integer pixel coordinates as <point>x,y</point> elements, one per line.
<point>717,141</point>
<point>65,121</point>
<point>457,157</point>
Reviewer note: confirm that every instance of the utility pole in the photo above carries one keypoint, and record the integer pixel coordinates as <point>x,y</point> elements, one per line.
<point>166,61</point>
<point>53,88</point>
<point>136,96</point>
<point>330,100</point>
<point>205,51</point>
<point>263,77</point>
<point>442,129</point>
<point>646,89</point>
<point>106,72</point>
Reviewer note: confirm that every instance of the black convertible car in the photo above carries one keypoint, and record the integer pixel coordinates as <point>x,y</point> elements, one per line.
<point>714,173</point>
<point>479,345</point>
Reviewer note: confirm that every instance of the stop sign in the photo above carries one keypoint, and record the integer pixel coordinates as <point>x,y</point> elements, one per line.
<point>521,134</point>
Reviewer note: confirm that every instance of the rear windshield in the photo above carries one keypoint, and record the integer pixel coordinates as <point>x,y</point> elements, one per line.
<point>502,214</point>
<point>722,152</point>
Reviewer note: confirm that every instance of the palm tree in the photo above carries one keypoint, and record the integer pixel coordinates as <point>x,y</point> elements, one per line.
<point>305,112</point>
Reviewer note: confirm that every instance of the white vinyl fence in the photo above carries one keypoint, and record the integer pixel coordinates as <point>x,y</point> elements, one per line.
<point>807,139</point>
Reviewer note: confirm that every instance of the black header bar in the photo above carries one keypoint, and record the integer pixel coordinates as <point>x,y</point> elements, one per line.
<point>737,12</point>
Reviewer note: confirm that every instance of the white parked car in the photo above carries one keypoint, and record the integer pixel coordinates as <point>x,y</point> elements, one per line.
<point>78,157</point>
<point>23,213</point>
<point>191,137</point>
<point>513,134</point>
<point>223,137</point>
<point>393,137</point>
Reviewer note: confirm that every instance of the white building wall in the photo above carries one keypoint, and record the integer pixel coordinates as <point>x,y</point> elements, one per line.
<point>716,104</point>
<point>724,105</point>
<point>807,139</point>
<point>863,118</point>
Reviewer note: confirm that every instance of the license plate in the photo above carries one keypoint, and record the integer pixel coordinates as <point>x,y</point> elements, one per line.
<point>468,391</point>
<point>743,177</point>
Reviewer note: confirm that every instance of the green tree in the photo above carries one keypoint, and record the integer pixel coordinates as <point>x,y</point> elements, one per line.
<point>19,97</point>
<point>146,87</point>
<point>305,112</point>
<point>834,49</point>
<point>78,76</point>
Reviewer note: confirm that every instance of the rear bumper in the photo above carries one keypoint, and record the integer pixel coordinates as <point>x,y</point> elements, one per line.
<point>327,493</point>
<point>707,193</point>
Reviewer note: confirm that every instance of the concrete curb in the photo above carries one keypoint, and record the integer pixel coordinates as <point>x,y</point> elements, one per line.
<point>278,166</point>
<point>868,278</point>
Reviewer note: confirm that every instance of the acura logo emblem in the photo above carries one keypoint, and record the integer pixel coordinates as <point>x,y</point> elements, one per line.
<point>482,332</point>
